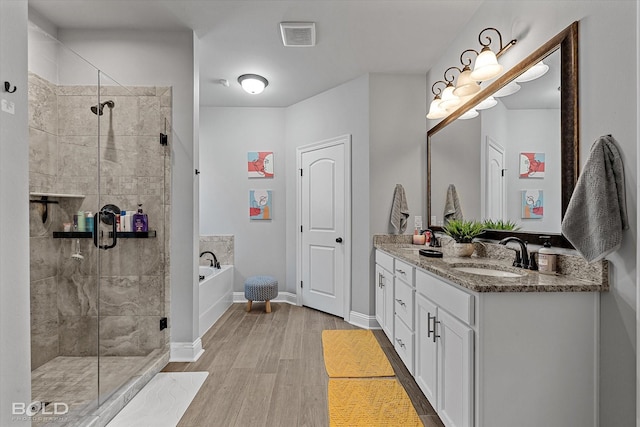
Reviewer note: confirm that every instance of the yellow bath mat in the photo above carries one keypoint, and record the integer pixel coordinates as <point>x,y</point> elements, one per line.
<point>370,402</point>
<point>354,354</point>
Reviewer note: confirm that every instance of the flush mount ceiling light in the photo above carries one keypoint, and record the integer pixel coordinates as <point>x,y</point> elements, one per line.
<point>253,83</point>
<point>537,71</point>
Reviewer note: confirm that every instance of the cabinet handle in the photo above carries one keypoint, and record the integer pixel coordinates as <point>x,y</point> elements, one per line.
<point>400,271</point>
<point>401,302</point>
<point>381,280</point>
<point>400,342</point>
<point>429,331</point>
<point>435,335</point>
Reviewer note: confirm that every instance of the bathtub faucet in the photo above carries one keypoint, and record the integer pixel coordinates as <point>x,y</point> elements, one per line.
<point>214,261</point>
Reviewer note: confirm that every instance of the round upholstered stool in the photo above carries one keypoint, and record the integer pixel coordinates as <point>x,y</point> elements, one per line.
<point>260,288</point>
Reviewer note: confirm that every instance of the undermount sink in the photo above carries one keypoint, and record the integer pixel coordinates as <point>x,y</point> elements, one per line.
<point>487,271</point>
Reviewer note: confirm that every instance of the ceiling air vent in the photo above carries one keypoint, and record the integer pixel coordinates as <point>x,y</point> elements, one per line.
<point>298,34</point>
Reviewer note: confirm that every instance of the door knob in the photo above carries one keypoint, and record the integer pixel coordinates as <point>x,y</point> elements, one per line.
<point>339,240</point>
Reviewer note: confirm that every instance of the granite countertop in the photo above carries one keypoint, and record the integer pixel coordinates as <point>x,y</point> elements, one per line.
<point>594,279</point>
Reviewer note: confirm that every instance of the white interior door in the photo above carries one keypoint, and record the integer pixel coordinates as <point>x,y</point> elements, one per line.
<point>494,184</point>
<point>324,217</point>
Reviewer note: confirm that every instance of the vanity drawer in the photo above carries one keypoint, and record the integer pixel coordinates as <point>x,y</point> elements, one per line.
<point>403,344</point>
<point>384,260</point>
<point>404,272</point>
<point>403,302</point>
<point>450,298</point>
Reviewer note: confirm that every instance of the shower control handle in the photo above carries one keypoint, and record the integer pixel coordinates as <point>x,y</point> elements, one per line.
<point>114,231</point>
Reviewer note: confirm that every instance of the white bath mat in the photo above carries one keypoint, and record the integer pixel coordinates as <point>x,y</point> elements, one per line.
<point>162,402</point>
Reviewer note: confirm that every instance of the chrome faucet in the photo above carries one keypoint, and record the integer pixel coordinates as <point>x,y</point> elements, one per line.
<point>214,261</point>
<point>517,262</point>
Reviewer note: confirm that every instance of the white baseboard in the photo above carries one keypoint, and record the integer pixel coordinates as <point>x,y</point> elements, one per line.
<point>288,297</point>
<point>363,320</point>
<point>186,351</point>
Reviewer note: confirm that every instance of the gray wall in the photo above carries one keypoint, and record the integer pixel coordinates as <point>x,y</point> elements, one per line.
<point>15,375</point>
<point>534,131</point>
<point>608,53</point>
<point>226,135</point>
<point>385,115</point>
<point>338,111</point>
<point>455,159</point>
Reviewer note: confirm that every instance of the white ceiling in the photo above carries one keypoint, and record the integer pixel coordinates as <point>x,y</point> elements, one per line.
<point>242,36</point>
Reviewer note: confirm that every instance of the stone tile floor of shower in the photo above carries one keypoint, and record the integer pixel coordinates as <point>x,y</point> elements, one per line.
<point>74,382</point>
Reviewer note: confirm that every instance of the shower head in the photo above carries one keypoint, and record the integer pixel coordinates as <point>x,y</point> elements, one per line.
<point>97,109</point>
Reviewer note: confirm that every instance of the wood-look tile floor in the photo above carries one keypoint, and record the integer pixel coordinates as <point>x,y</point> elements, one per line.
<point>268,370</point>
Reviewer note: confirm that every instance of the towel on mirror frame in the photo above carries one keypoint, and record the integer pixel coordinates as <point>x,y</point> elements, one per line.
<point>452,209</point>
<point>597,211</point>
<point>399,210</point>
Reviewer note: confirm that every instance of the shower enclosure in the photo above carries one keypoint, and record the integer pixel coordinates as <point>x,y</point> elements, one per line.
<point>99,291</point>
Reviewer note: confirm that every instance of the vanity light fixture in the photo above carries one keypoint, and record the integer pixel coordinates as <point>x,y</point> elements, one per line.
<point>469,114</point>
<point>509,89</point>
<point>435,111</point>
<point>253,83</point>
<point>486,103</point>
<point>537,71</point>
<point>466,85</point>
<point>487,66</point>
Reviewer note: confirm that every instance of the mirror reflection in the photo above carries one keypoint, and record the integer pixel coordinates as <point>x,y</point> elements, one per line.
<point>495,161</point>
<point>505,163</point>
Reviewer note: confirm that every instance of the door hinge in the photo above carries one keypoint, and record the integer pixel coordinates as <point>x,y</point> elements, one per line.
<point>301,229</point>
<point>300,172</point>
<point>301,284</point>
<point>503,170</point>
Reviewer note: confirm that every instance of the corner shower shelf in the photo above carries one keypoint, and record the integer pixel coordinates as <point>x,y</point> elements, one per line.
<point>121,234</point>
<point>57,195</point>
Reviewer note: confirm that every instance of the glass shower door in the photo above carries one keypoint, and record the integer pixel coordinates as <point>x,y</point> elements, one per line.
<point>63,186</point>
<point>131,245</point>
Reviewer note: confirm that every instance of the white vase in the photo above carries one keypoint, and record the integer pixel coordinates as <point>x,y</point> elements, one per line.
<point>463,249</point>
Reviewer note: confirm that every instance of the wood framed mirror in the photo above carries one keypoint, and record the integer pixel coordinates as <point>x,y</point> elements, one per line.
<point>564,46</point>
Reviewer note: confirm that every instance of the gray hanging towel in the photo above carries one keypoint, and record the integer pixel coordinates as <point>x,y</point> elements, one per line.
<point>452,209</point>
<point>399,210</point>
<point>597,211</point>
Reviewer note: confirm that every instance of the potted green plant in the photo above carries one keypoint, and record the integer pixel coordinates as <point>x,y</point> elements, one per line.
<point>463,232</point>
<point>499,224</point>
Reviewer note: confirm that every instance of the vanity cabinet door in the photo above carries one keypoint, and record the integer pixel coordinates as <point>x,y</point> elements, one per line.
<point>455,371</point>
<point>425,349</point>
<point>384,300</point>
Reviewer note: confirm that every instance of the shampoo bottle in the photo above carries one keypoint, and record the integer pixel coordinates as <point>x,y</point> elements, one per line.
<point>123,222</point>
<point>89,222</point>
<point>81,221</point>
<point>546,259</point>
<point>140,221</point>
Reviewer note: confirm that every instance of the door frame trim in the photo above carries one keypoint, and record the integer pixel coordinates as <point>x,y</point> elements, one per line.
<point>345,141</point>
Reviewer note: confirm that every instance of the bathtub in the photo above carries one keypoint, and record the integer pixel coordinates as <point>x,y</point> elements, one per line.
<point>216,294</point>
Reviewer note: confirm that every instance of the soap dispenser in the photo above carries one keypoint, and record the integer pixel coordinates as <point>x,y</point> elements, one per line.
<point>140,220</point>
<point>546,259</point>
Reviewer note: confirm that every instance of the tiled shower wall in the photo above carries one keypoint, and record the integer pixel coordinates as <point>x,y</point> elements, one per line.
<point>135,169</point>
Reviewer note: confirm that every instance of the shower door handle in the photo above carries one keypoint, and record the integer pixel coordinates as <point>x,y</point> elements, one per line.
<point>114,231</point>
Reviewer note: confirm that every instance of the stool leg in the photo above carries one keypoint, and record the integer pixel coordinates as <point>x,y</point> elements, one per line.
<point>249,305</point>
<point>268,306</point>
